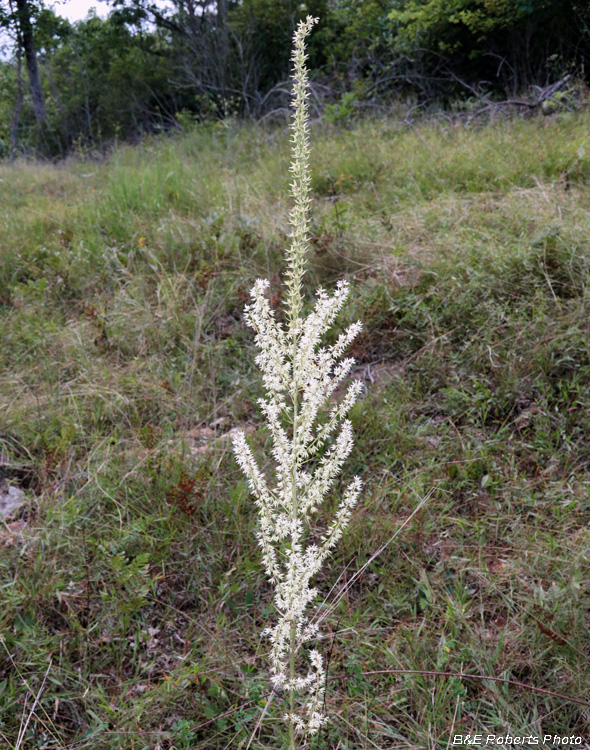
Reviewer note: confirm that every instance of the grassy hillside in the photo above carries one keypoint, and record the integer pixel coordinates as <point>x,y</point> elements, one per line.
<point>132,590</point>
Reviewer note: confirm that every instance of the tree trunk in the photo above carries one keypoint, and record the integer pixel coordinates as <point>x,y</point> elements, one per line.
<point>26,34</point>
<point>223,48</point>
<point>19,100</point>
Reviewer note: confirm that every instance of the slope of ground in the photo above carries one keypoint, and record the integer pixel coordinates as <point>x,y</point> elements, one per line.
<point>132,592</point>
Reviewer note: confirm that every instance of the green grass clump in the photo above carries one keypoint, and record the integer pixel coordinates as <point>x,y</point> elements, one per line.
<point>132,576</point>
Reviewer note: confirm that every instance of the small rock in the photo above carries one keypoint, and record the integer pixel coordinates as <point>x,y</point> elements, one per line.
<point>11,500</point>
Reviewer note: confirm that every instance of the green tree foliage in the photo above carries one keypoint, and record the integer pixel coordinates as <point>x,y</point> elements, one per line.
<point>102,81</point>
<point>135,71</point>
<point>106,81</point>
<point>512,43</point>
<point>359,32</point>
<point>7,101</point>
<point>265,28</point>
<point>231,54</point>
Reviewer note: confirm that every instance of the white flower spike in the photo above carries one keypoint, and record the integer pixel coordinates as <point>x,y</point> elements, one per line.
<point>300,377</point>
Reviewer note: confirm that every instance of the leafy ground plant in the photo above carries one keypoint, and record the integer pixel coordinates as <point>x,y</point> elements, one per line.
<point>300,380</point>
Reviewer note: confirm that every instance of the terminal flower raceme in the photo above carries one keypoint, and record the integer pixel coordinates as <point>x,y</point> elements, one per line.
<point>311,435</point>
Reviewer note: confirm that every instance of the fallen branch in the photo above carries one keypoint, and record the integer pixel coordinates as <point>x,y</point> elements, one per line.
<point>544,94</point>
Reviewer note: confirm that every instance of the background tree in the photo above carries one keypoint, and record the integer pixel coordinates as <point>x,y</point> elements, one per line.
<point>108,79</point>
<point>25,36</point>
<point>230,54</point>
<point>17,17</point>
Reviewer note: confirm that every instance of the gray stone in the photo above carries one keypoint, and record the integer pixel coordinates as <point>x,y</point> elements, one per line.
<point>11,500</point>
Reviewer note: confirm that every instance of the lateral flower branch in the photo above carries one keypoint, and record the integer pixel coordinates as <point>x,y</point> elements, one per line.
<point>308,428</point>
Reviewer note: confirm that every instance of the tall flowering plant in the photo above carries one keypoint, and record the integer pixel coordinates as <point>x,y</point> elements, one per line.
<point>308,428</point>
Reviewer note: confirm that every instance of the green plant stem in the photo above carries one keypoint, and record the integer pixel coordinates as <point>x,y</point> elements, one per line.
<point>292,696</point>
<point>294,511</point>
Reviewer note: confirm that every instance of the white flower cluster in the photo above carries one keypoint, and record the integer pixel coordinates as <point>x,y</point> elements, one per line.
<point>311,441</point>
<point>299,386</point>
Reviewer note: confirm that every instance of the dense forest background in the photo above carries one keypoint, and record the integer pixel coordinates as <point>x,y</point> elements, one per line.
<point>144,68</point>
